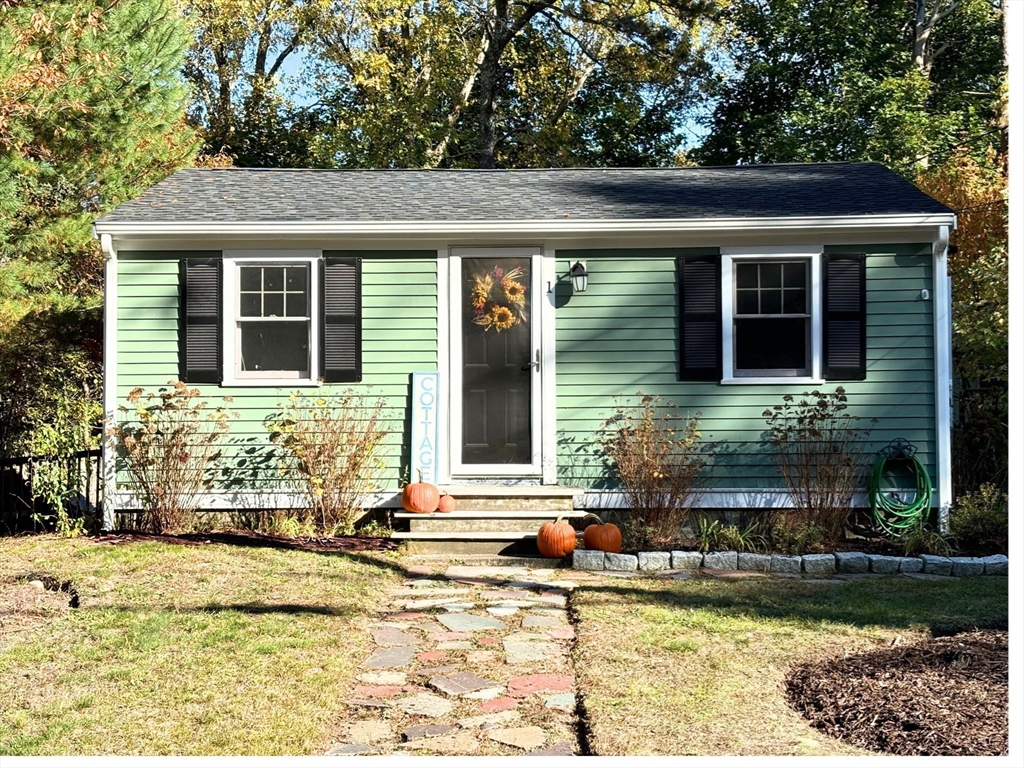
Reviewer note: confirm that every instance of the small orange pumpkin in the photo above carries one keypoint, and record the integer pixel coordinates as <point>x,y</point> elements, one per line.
<point>556,539</point>
<point>446,504</point>
<point>603,536</point>
<point>420,497</point>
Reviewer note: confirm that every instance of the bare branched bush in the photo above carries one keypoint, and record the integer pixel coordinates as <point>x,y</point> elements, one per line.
<point>331,443</point>
<point>656,455</point>
<point>816,446</point>
<point>170,441</point>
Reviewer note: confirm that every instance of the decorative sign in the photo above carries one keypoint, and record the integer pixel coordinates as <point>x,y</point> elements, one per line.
<point>423,448</point>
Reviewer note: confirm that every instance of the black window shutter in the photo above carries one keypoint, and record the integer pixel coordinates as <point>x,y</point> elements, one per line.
<point>341,354</point>
<point>199,336</point>
<point>844,325</point>
<point>700,317</point>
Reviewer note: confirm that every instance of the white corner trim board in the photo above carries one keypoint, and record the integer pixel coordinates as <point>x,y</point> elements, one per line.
<point>942,308</point>
<point>108,469</point>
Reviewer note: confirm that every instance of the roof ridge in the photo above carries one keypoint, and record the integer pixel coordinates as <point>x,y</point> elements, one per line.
<point>568,169</point>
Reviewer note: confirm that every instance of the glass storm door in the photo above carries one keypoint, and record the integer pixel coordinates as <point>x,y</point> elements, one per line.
<point>498,363</point>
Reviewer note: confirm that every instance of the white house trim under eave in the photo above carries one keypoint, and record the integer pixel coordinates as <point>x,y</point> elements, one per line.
<point>532,227</point>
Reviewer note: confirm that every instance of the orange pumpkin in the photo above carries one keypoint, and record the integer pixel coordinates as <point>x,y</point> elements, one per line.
<point>603,536</point>
<point>446,504</point>
<point>420,497</point>
<point>556,539</point>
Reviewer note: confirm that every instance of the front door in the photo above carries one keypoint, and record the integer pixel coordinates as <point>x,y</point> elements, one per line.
<point>498,365</point>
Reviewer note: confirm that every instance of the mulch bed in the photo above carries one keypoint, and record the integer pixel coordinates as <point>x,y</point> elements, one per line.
<point>253,539</point>
<point>945,696</point>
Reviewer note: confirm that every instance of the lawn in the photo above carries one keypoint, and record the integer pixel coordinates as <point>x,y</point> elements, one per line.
<point>195,650</point>
<point>697,667</point>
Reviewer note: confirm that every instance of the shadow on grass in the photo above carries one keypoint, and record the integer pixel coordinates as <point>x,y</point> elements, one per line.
<point>896,602</point>
<point>286,608</point>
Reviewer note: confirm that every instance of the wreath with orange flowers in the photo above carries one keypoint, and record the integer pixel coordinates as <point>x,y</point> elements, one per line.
<point>498,299</point>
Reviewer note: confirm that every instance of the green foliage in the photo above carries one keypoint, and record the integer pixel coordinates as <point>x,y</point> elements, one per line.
<point>792,536</point>
<point>91,110</point>
<point>922,539</point>
<point>331,444</point>
<point>713,536</point>
<point>816,447</point>
<point>979,522</point>
<point>656,455</point>
<point>169,442</point>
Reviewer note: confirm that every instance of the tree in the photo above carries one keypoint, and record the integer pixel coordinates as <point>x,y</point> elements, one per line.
<point>91,113</point>
<point>899,81</point>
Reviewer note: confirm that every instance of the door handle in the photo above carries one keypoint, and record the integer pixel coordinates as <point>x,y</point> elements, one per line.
<point>534,364</point>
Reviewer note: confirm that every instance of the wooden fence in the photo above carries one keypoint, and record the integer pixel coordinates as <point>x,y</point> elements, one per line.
<point>22,507</point>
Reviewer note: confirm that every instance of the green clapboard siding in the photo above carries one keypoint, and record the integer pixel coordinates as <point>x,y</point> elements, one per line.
<point>399,337</point>
<point>620,337</point>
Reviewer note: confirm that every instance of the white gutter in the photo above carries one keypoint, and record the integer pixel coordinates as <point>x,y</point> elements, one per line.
<point>108,468</point>
<point>942,307</point>
<point>534,227</point>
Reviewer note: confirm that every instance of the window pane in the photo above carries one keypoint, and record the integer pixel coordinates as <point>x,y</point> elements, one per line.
<point>795,275</point>
<point>771,302</point>
<point>273,305</point>
<point>249,305</point>
<point>794,302</point>
<point>778,344</point>
<point>771,275</point>
<point>295,305</point>
<point>296,279</point>
<point>273,278</point>
<point>249,278</point>
<point>746,302</point>
<point>282,346</point>
<point>746,275</point>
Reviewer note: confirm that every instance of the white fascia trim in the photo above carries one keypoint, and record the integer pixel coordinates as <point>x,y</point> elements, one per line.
<point>736,498</point>
<point>109,465</point>
<point>526,226</point>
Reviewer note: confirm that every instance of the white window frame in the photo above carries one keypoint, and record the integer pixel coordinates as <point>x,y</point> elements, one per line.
<point>731,255</point>
<point>232,261</point>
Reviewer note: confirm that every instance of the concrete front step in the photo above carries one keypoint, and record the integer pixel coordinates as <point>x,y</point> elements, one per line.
<point>485,520</point>
<point>464,535</point>
<point>538,498</point>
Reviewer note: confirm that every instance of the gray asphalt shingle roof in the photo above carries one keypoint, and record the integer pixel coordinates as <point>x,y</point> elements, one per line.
<point>198,195</point>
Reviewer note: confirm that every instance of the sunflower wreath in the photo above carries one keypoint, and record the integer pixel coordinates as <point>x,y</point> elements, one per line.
<point>498,299</point>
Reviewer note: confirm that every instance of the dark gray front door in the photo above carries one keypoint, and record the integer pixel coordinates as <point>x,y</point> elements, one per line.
<point>496,361</point>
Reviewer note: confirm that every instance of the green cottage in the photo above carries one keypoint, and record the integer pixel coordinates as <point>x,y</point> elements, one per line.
<point>500,313</point>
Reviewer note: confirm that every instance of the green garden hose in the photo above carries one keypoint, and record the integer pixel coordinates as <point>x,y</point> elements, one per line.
<point>892,515</point>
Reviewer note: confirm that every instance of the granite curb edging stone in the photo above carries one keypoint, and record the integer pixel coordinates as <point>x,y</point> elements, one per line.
<point>816,564</point>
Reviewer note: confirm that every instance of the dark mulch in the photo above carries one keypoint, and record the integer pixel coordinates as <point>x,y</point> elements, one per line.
<point>946,696</point>
<point>253,539</point>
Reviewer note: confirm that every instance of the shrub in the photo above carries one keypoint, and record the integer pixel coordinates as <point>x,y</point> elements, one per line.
<point>331,444</point>
<point>656,456</point>
<point>921,539</point>
<point>713,536</point>
<point>170,449</point>
<point>979,521</point>
<point>815,445</point>
<point>790,535</point>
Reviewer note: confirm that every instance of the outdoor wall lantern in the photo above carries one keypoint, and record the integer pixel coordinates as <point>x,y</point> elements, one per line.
<point>578,273</point>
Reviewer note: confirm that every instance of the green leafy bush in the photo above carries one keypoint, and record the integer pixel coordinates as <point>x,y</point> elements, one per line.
<point>980,521</point>
<point>713,536</point>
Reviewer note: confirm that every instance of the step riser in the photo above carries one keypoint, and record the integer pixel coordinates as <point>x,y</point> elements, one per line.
<point>492,524</point>
<point>516,548</point>
<point>499,504</point>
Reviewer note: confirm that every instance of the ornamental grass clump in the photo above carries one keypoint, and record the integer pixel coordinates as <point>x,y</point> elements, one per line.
<point>330,446</point>
<point>816,446</point>
<point>170,444</point>
<point>656,455</point>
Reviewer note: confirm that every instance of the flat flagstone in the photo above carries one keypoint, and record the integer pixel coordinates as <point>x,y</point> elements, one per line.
<point>558,749</point>
<point>378,691</point>
<point>459,743</point>
<point>442,670</point>
<point>562,633</point>
<point>547,610</point>
<point>460,683</point>
<point>542,573</point>
<point>420,570</point>
<point>488,640</point>
<point>481,657</point>
<point>455,645</point>
<point>486,693</point>
<point>546,683</point>
<point>490,718</point>
<point>563,701</point>
<point>411,605</point>
<point>348,749</point>
<point>499,705</point>
<point>502,610</point>
<point>426,704</point>
<point>370,703</point>
<point>541,621</point>
<point>441,637</point>
<point>383,678</point>
<point>504,594</point>
<point>432,656</point>
<point>407,616</point>
<point>524,646</point>
<point>414,732</point>
<point>477,571</point>
<point>389,658</point>
<point>529,737</point>
<point>389,636</point>
<point>369,731</point>
<point>458,607</point>
<point>468,622</point>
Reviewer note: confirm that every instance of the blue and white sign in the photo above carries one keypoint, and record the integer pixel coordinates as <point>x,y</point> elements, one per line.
<point>424,426</point>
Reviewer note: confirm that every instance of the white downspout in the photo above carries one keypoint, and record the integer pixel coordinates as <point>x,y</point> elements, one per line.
<point>943,318</point>
<point>109,378</point>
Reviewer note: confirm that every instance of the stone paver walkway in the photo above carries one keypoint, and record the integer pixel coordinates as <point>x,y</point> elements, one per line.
<point>471,661</point>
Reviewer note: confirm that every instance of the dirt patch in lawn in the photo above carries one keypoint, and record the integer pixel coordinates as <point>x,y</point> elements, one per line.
<point>253,539</point>
<point>25,606</point>
<point>945,696</point>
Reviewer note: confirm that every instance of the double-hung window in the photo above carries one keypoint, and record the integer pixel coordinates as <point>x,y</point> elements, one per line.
<point>772,315</point>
